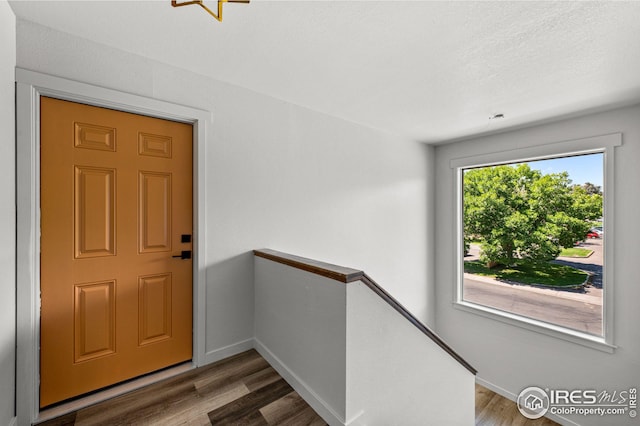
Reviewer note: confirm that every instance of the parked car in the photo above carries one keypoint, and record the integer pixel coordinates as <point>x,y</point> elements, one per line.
<point>592,234</point>
<point>597,230</point>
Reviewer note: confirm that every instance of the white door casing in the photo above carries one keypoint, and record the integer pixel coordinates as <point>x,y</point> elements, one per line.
<point>29,87</point>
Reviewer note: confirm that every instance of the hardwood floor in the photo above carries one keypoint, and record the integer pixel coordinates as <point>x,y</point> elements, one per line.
<point>242,390</point>
<point>495,410</point>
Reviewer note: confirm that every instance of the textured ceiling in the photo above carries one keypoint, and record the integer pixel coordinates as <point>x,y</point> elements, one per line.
<point>431,71</point>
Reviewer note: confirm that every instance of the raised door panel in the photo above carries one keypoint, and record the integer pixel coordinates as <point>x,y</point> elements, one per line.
<point>94,320</point>
<point>154,309</point>
<point>154,145</point>
<point>155,212</point>
<point>95,227</point>
<point>92,136</point>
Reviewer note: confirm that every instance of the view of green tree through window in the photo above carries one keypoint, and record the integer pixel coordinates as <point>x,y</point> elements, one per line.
<point>533,239</point>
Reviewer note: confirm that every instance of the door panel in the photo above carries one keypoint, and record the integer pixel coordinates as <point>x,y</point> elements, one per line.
<point>154,309</point>
<point>94,197</point>
<point>94,320</point>
<point>155,212</point>
<point>116,196</point>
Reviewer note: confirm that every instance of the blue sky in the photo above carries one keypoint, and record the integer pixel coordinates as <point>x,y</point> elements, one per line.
<point>581,168</point>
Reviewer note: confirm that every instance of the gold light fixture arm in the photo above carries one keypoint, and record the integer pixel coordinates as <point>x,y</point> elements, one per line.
<point>200,3</point>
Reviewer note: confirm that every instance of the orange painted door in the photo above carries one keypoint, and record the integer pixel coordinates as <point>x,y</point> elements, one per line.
<point>116,208</point>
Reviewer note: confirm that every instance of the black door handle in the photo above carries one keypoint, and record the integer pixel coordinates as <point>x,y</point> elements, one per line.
<point>185,254</point>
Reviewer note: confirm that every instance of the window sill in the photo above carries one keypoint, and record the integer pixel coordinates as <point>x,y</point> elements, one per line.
<point>541,327</point>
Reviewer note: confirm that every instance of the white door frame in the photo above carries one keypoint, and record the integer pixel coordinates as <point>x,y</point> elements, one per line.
<point>29,87</point>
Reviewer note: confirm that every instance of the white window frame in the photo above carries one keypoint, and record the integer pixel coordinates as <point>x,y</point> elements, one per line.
<point>599,144</point>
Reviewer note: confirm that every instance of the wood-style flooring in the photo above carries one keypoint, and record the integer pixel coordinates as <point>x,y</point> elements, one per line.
<point>495,410</point>
<point>242,390</point>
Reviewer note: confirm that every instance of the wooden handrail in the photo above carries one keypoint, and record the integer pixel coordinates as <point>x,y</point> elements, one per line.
<point>347,275</point>
<point>335,272</point>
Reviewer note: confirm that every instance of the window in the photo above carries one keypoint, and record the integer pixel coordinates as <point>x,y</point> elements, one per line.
<point>533,238</point>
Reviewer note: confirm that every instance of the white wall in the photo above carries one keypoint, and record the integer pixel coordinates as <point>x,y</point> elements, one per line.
<point>301,330</point>
<point>7,213</point>
<point>395,374</point>
<point>278,176</point>
<point>352,356</point>
<point>513,358</point>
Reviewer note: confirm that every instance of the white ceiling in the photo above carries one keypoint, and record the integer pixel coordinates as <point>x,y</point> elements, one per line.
<point>431,71</point>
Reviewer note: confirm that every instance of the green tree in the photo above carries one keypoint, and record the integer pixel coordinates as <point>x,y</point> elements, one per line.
<point>520,213</point>
<point>586,205</point>
<point>591,188</point>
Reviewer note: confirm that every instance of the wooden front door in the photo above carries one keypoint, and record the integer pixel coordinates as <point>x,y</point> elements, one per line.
<point>116,210</point>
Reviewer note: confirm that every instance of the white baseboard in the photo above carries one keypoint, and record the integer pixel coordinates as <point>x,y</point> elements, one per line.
<point>317,403</point>
<point>227,351</point>
<point>513,397</point>
<point>497,389</point>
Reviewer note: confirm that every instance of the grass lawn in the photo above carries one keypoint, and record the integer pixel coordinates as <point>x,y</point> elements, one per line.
<point>530,273</point>
<point>575,252</point>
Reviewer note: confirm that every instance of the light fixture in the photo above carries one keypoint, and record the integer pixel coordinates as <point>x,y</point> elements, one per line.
<point>200,3</point>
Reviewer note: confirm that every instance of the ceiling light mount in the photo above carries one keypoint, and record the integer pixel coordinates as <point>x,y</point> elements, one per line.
<point>200,3</point>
